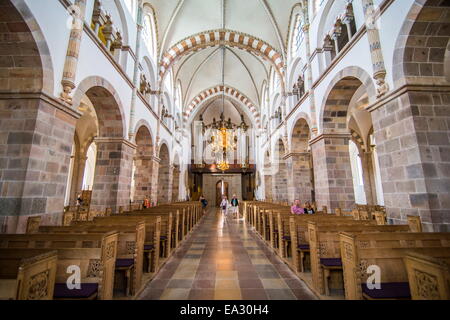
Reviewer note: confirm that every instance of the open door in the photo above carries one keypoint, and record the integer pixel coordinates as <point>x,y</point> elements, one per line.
<point>221,189</point>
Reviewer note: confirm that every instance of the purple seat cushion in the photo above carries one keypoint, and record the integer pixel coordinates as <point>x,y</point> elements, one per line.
<point>148,247</point>
<point>389,290</point>
<point>62,292</point>
<point>287,238</point>
<point>331,262</point>
<point>124,263</point>
<point>303,246</point>
<point>163,238</point>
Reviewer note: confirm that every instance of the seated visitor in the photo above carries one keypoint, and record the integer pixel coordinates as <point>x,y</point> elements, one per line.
<point>296,208</point>
<point>308,208</point>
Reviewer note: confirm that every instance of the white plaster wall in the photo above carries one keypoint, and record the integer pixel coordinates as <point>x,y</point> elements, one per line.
<point>55,14</point>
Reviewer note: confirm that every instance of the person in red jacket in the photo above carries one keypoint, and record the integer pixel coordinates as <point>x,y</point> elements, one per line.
<point>146,203</point>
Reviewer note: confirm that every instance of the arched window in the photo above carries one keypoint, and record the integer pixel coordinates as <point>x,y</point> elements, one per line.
<point>148,35</point>
<point>297,35</point>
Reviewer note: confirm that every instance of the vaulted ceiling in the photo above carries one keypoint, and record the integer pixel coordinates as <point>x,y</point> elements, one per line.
<point>266,20</point>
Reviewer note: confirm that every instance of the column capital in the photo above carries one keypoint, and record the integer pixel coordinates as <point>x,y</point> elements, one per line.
<point>115,140</point>
<point>330,136</point>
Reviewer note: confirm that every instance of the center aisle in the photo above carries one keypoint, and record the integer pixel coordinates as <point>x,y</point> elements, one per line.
<point>223,260</point>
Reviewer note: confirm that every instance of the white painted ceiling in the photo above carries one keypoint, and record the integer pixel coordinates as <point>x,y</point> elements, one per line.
<point>267,20</point>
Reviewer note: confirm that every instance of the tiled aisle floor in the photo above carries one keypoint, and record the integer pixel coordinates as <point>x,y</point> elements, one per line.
<point>223,260</point>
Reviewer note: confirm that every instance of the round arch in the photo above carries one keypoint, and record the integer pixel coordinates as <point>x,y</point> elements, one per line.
<point>211,38</point>
<point>424,23</point>
<point>39,53</point>
<point>107,104</point>
<point>360,77</point>
<point>230,92</point>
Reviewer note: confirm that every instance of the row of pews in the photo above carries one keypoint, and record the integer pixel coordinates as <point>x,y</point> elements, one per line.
<point>110,255</point>
<point>345,254</point>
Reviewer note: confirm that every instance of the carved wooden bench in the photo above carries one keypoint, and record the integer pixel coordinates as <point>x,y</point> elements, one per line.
<point>428,277</point>
<point>169,224</point>
<point>25,275</point>
<point>130,247</point>
<point>151,245</point>
<point>298,230</point>
<point>389,252</point>
<point>94,254</point>
<point>325,249</point>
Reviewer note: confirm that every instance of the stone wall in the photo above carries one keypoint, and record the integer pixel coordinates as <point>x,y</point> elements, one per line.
<point>113,169</point>
<point>413,143</point>
<point>332,172</point>
<point>36,136</point>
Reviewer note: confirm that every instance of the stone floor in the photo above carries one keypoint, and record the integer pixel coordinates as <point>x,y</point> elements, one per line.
<point>223,260</point>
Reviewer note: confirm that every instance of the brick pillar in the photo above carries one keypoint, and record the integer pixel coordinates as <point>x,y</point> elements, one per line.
<point>332,171</point>
<point>268,186</point>
<point>154,186</point>
<point>299,177</point>
<point>112,182</point>
<point>170,184</point>
<point>36,135</point>
<point>143,177</point>
<point>164,182</point>
<point>412,136</point>
<point>280,183</point>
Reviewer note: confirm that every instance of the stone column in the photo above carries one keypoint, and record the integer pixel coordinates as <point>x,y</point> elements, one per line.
<point>78,175</point>
<point>299,176</point>
<point>332,171</point>
<point>368,177</point>
<point>73,50</point>
<point>309,78</point>
<point>36,136</point>
<point>379,70</point>
<point>327,50</point>
<point>336,34</point>
<point>136,77</point>
<point>112,182</point>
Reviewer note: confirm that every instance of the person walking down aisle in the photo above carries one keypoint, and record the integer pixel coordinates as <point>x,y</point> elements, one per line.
<point>235,206</point>
<point>224,205</point>
<point>204,203</point>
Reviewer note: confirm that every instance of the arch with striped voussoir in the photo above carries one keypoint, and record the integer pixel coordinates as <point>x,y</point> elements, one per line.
<point>221,37</point>
<point>229,91</point>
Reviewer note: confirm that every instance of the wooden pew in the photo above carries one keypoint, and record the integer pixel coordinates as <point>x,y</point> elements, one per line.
<point>152,234</point>
<point>33,224</point>
<point>169,225</point>
<point>180,223</point>
<point>130,247</point>
<point>428,277</point>
<point>325,251</point>
<point>298,230</point>
<point>25,276</point>
<point>94,254</point>
<point>387,251</point>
